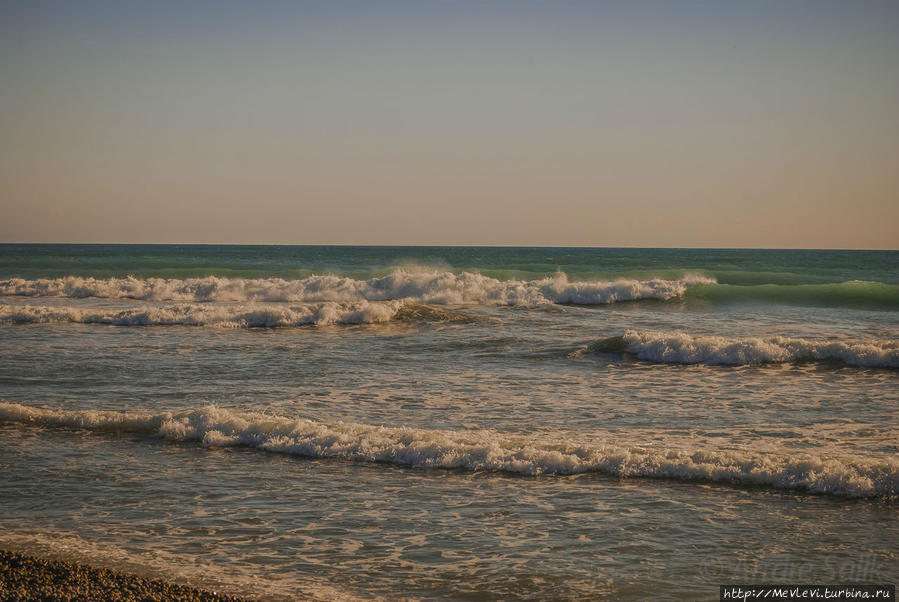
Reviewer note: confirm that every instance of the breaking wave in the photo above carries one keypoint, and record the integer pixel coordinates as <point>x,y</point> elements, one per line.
<point>479,450</point>
<point>422,286</point>
<point>681,348</point>
<point>231,316</point>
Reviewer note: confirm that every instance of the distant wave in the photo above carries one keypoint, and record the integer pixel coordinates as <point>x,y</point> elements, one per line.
<point>422,286</point>
<point>681,348</point>
<point>855,293</point>
<point>479,450</point>
<point>232,316</point>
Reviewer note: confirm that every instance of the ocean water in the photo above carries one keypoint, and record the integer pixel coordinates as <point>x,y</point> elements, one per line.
<point>464,423</point>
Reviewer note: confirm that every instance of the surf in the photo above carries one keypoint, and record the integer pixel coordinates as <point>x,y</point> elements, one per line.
<point>244,315</point>
<point>682,348</point>
<point>433,287</point>
<point>478,450</point>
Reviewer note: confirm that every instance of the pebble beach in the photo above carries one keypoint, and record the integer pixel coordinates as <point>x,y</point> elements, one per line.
<point>29,578</point>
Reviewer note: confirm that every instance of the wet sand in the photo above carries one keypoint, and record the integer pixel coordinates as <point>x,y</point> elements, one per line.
<point>28,578</point>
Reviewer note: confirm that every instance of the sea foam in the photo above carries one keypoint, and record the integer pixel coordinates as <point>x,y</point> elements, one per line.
<point>418,285</point>
<point>481,450</point>
<point>682,348</point>
<point>229,316</point>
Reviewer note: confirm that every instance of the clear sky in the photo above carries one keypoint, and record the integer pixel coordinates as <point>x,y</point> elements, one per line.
<point>635,123</point>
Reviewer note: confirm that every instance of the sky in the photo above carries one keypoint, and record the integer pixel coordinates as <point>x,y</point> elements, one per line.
<point>656,124</point>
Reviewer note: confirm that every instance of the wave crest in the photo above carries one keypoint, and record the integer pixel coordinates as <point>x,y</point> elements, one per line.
<point>681,348</point>
<point>479,450</point>
<point>227,316</point>
<point>422,286</point>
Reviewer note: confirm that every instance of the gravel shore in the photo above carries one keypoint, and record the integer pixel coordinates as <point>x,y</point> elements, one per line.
<point>27,578</point>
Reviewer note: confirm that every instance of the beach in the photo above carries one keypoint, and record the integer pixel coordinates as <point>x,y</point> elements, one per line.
<point>28,578</point>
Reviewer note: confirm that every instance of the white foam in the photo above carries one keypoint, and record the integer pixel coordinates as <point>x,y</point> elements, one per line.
<point>419,285</point>
<point>483,450</point>
<point>681,348</point>
<point>232,316</point>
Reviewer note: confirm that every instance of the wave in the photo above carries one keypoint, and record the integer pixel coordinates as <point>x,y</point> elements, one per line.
<point>681,348</point>
<point>854,294</point>
<point>228,316</point>
<point>422,286</point>
<point>437,287</point>
<point>478,450</point>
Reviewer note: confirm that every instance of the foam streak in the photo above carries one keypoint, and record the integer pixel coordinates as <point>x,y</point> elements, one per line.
<point>229,316</point>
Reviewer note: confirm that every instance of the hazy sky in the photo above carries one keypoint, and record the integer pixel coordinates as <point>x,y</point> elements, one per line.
<point>675,123</point>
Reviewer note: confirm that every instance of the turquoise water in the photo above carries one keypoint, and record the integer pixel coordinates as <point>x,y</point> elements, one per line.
<point>728,266</point>
<point>467,423</point>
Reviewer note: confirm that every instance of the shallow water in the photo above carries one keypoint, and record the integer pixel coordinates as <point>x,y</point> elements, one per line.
<point>465,423</point>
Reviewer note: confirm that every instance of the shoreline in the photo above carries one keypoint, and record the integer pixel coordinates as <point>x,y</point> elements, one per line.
<point>26,577</point>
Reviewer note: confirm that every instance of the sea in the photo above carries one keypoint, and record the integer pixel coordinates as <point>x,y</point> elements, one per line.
<point>469,423</point>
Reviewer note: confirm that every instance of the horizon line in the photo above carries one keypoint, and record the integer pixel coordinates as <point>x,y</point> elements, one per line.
<point>443,246</point>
